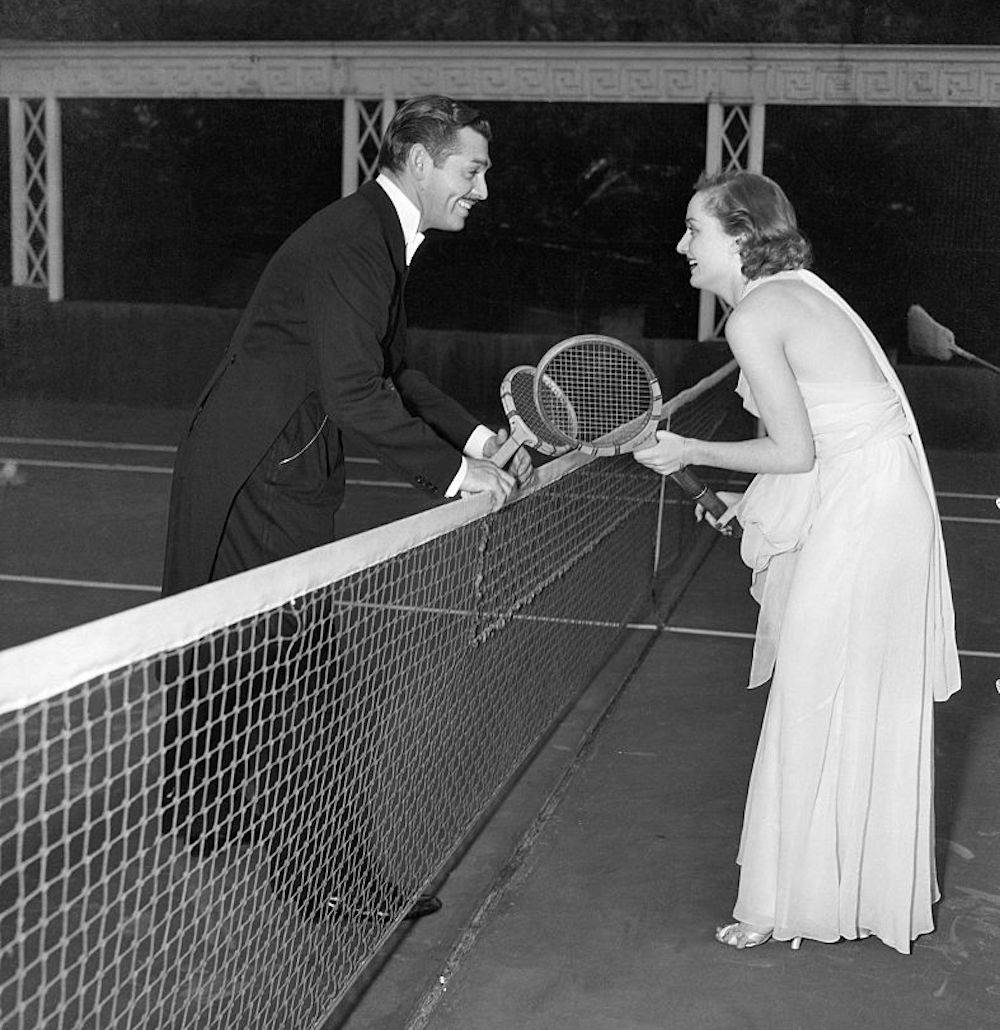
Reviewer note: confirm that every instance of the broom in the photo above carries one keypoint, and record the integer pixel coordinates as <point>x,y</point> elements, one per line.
<point>934,340</point>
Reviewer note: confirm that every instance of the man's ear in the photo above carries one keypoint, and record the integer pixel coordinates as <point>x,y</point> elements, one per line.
<point>418,160</point>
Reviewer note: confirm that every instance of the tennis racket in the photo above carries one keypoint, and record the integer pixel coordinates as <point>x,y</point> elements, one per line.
<point>527,427</point>
<point>607,401</point>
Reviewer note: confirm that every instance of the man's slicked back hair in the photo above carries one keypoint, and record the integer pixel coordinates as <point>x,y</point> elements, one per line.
<point>433,121</point>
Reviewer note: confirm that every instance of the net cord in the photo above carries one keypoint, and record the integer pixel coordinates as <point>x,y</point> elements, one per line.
<point>678,401</point>
<point>42,668</point>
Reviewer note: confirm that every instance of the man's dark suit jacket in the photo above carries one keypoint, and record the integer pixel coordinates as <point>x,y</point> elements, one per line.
<point>326,318</point>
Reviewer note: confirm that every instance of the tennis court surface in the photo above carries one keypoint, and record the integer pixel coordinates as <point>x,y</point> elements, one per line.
<point>587,895</point>
<point>608,922</point>
<point>604,920</point>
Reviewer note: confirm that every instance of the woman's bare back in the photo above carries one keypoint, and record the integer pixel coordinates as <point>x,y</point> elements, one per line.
<point>820,341</point>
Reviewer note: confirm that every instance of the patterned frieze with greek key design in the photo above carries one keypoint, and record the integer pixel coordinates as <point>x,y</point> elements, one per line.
<point>571,72</point>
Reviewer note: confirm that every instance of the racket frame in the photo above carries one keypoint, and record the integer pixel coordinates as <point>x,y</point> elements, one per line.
<point>606,446</point>
<point>646,426</point>
<point>521,431</point>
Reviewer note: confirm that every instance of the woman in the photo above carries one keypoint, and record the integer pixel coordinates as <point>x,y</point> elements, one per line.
<point>856,625</point>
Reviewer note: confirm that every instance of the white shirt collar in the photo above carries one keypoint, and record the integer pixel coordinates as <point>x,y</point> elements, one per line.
<point>406,210</point>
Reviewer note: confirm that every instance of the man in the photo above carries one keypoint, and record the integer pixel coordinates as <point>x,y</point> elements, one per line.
<point>319,349</point>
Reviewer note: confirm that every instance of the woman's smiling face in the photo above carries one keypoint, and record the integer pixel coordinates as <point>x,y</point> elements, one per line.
<point>713,256</point>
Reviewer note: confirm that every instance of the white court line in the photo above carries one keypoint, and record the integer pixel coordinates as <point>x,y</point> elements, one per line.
<point>109,445</point>
<point>55,581</point>
<point>965,497</point>
<point>166,470</point>
<point>646,626</point>
<point>733,634</point>
<point>90,466</point>
<point>168,449</point>
<point>649,627</point>
<point>937,493</point>
<point>750,636</point>
<point>99,446</point>
<point>105,444</point>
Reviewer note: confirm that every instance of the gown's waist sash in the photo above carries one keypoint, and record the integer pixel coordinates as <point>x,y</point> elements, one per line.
<point>777,510</point>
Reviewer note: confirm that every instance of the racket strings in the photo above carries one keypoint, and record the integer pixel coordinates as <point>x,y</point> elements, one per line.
<point>610,393</point>
<point>522,394</point>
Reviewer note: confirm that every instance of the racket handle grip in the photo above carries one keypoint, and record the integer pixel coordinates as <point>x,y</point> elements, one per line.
<point>700,493</point>
<point>505,451</point>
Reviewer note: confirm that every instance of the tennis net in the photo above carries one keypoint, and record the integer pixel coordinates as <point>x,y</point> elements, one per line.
<point>217,807</point>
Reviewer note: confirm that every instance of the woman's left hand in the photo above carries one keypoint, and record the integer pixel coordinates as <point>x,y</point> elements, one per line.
<point>664,456</point>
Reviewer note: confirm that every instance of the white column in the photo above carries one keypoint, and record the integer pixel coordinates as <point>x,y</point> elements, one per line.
<point>18,195</point>
<point>713,163</point>
<point>756,155</point>
<point>388,112</point>
<point>350,148</point>
<point>54,197</point>
<point>713,138</point>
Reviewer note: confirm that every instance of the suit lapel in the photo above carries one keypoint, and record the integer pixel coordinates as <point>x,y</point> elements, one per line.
<point>394,344</point>
<point>389,220</point>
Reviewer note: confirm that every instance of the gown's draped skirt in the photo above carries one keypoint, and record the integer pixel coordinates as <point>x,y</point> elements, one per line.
<point>838,832</point>
<point>856,633</point>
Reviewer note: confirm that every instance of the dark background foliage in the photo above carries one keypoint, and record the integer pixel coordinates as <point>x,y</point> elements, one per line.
<point>801,21</point>
<point>183,201</point>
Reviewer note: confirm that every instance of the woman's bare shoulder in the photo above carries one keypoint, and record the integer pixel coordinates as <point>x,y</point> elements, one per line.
<point>766,309</point>
<point>791,304</point>
<point>820,341</point>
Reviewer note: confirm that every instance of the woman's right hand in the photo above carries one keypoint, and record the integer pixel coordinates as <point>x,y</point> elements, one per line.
<point>664,456</point>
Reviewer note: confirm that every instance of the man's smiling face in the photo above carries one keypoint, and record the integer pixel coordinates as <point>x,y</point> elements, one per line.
<point>449,190</point>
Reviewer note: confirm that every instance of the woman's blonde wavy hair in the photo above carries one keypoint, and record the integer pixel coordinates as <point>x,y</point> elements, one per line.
<point>754,209</point>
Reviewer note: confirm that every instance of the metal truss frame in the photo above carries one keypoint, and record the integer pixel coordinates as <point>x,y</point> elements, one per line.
<point>735,82</point>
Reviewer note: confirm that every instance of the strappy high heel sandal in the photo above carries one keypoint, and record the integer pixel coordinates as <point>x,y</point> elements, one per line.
<point>742,935</point>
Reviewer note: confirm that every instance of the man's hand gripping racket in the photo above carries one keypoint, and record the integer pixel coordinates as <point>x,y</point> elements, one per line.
<point>600,395</point>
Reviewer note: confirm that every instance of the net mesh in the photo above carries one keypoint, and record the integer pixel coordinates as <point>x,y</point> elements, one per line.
<point>216,808</point>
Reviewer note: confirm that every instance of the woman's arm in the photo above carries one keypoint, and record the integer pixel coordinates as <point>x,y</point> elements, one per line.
<point>756,331</point>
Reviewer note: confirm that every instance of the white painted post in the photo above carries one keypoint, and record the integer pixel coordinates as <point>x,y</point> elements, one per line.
<point>713,138</point>
<point>18,195</point>
<point>54,197</point>
<point>713,162</point>
<point>388,111</point>
<point>349,148</point>
<point>756,155</point>
<point>756,159</point>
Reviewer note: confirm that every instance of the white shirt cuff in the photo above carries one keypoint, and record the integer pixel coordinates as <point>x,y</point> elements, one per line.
<point>453,488</point>
<point>474,449</point>
<point>477,441</point>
